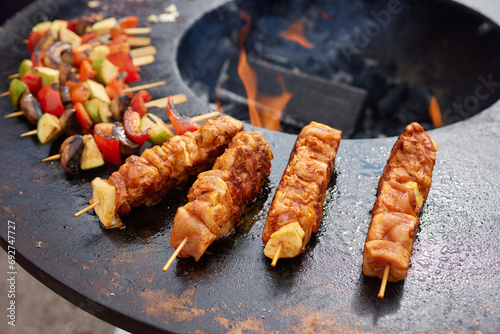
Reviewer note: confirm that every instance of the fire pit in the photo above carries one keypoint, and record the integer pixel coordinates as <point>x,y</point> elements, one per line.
<point>116,275</point>
<point>366,67</point>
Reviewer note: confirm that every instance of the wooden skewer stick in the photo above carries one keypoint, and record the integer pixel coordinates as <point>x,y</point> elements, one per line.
<point>13,75</point>
<point>29,133</point>
<point>91,206</point>
<point>200,118</point>
<point>52,157</point>
<point>145,86</point>
<point>137,31</point>
<point>277,255</point>
<point>144,51</point>
<point>139,41</point>
<point>177,251</point>
<point>14,114</point>
<point>4,94</point>
<point>162,103</point>
<point>142,61</point>
<point>381,293</point>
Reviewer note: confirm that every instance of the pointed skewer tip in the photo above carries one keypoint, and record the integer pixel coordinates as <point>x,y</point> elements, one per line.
<point>177,251</point>
<point>91,206</point>
<point>381,293</point>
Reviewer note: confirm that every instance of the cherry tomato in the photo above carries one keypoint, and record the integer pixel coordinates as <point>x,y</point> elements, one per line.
<point>181,124</point>
<point>50,100</point>
<point>83,118</point>
<point>131,122</point>
<point>108,144</point>
<point>138,102</point>
<point>34,82</point>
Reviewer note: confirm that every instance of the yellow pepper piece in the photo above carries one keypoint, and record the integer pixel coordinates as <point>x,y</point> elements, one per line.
<point>289,237</point>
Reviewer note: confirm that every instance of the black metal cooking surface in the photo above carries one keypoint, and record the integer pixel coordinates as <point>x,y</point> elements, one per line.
<point>117,275</point>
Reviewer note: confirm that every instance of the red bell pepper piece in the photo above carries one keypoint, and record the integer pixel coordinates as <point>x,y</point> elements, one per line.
<point>119,39</point>
<point>79,91</point>
<point>83,118</point>
<point>108,144</point>
<point>33,40</point>
<point>80,53</point>
<point>72,26</point>
<point>50,100</point>
<point>116,86</point>
<point>130,21</point>
<point>88,37</point>
<point>124,23</point>
<point>37,58</point>
<point>181,123</point>
<point>124,63</point>
<point>138,102</point>
<point>131,122</point>
<point>34,82</point>
<point>86,71</point>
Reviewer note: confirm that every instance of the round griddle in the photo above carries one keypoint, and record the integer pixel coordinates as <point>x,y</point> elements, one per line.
<point>117,275</point>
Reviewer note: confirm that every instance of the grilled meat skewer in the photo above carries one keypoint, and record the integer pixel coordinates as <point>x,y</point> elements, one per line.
<point>402,191</point>
<point>297,205</point>
<point>219,196</point>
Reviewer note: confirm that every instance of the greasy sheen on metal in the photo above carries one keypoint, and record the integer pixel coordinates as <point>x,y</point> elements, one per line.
<point>452,284</point>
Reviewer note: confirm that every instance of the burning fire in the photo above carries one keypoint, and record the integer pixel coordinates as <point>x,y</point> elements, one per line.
<point>264,110</point>
<point>295,33</point>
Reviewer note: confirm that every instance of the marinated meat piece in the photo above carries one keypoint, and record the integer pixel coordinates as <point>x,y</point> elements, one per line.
<point>297,206</point>
<point>218,197</point>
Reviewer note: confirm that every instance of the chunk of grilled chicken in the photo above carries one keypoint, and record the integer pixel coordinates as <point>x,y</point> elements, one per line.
<point>299,198</point>
<point>401,194</point>
<point>218,197</point>
<point>147,178</point>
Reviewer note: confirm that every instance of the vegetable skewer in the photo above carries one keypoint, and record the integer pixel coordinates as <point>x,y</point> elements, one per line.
<point>179,98</point>
<point>200,118</point>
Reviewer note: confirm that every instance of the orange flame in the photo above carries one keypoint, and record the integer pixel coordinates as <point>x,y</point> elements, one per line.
<point>295,33</point>
<point>272,106</point>
<point>247,74</point>
<point>264,110</point>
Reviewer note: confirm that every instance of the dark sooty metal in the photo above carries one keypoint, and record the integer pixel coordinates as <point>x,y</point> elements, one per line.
<point>117,275</point>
